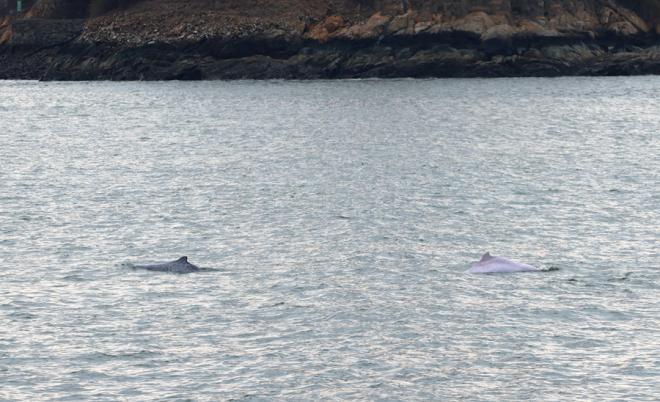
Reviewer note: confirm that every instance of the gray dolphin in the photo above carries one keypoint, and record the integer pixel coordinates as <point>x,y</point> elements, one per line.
<point>180,266</point>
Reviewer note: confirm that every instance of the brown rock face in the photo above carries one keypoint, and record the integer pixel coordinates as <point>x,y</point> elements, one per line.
<point>321,32</point>
<point>5,30</point>
<point>489,19</point>
<point>324,20</point>
<point>193,39</point>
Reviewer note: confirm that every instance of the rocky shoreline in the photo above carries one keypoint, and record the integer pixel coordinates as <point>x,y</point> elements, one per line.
<point>413,44</point>
<point>430,57</point>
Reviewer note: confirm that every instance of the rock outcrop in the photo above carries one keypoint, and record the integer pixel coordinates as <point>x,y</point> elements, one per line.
<point>59,9</point>
<point>44,33</point>
<point>199,39</point>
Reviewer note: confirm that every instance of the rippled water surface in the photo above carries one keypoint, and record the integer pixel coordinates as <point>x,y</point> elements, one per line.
<point>340,217</point>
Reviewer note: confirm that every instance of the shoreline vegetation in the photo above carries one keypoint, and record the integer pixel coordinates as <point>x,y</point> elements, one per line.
<point>309,39</point>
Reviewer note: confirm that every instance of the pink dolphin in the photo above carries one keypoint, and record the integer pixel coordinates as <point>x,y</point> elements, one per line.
<point>492,264</point>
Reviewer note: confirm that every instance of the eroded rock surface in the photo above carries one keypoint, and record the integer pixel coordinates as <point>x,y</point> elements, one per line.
<point>207,39</point>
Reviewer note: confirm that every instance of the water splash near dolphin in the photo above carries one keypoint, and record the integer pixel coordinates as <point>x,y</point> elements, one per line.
<point>490,264</point>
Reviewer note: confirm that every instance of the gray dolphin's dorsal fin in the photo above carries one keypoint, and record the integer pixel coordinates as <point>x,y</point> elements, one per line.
<point>486,257</point>
<point>182,259</point>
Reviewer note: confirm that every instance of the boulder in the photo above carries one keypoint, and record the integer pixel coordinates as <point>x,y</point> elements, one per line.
<point>400,24</point>
<point>374,27</point>
<point>497,39</point>
<point>477,22</point>
<point>623,28</point>
<point>322,31</point>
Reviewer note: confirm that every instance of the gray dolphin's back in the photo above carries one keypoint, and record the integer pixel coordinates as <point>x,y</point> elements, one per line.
<point>180,266</point>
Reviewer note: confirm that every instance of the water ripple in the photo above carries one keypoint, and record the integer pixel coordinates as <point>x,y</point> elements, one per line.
<point>340,217</point>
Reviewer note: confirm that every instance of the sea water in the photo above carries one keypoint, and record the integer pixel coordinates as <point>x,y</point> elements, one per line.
<point>340,217</point>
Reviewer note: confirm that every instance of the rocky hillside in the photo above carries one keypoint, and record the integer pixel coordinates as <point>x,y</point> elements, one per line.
<point>169,39</point>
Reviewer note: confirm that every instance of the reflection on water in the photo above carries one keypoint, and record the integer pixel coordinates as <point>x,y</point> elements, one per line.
<point>341,217</point>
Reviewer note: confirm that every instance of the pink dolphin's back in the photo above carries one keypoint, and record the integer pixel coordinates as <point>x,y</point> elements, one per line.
<point>492,264</point>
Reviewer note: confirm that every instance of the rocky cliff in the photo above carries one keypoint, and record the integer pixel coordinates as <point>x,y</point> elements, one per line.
<point>200,39</point>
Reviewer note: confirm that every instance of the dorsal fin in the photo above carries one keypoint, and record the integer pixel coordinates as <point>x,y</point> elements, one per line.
<point>486,257</point>
<point>182,259</point>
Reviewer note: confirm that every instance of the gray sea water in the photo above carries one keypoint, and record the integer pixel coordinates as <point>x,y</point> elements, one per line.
<point>340,216</point>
